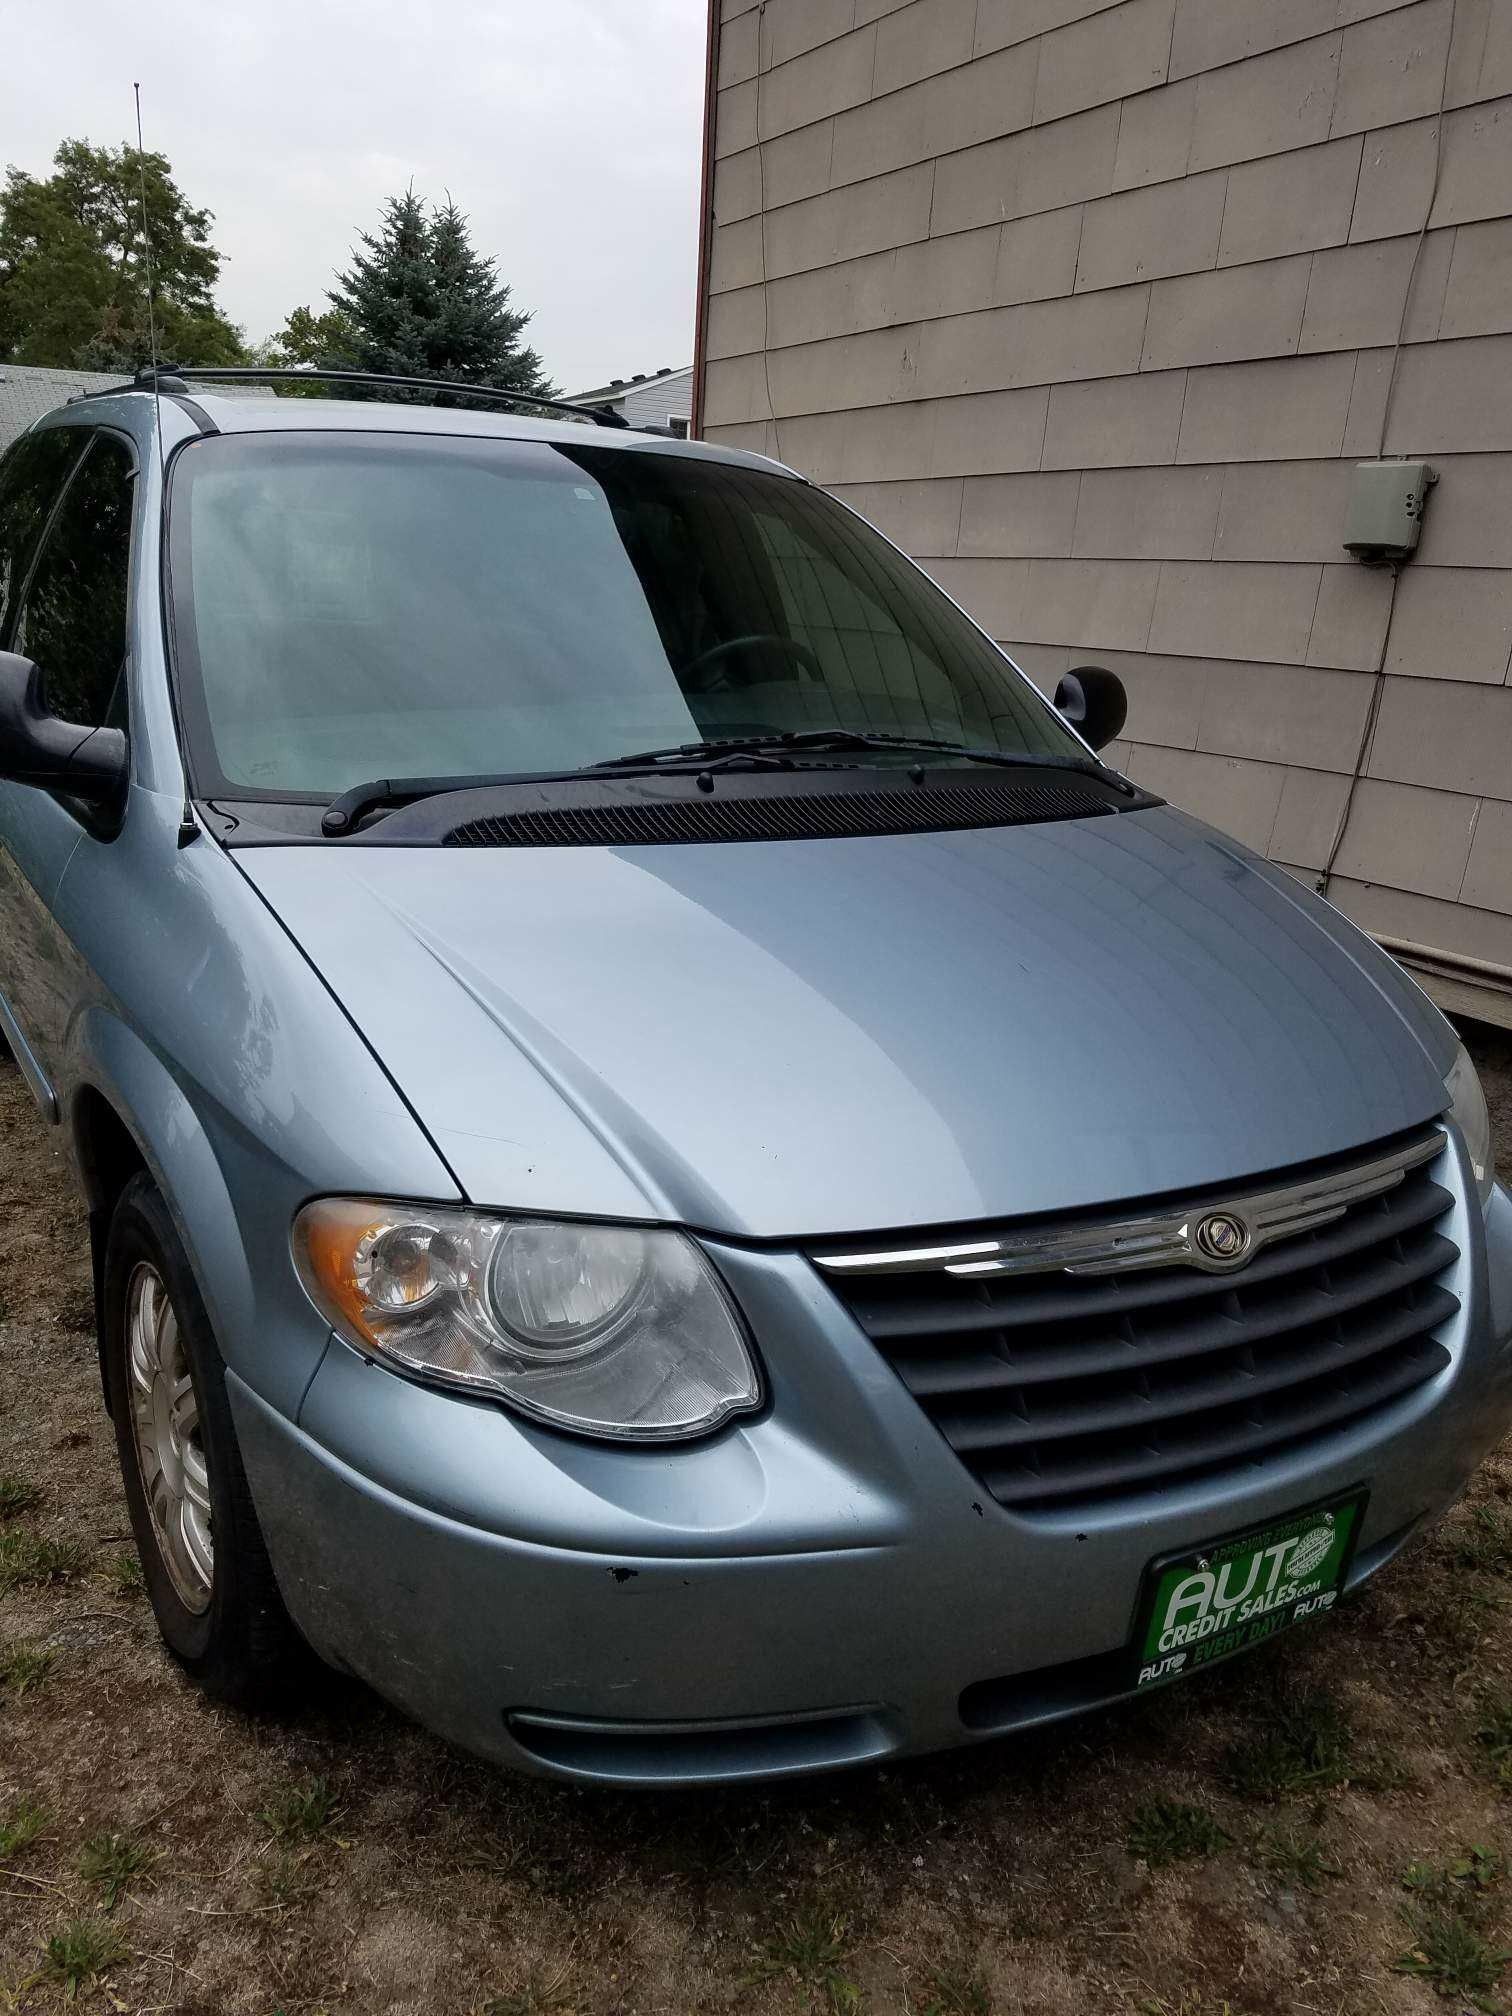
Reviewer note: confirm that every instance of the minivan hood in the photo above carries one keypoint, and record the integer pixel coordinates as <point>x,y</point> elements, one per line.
<point>817,1037</point>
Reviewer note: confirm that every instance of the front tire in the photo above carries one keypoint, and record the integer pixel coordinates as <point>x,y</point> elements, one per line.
<point>204,1560</point>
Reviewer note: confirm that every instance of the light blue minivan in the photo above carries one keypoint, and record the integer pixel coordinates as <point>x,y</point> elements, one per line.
<point>680,1178</point>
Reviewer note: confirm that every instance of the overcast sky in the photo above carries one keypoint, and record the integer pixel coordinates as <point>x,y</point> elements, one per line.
<point>568,130</point>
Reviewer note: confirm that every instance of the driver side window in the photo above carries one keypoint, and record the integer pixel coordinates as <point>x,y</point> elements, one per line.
<point>32,476</point>
<point>72,616</point>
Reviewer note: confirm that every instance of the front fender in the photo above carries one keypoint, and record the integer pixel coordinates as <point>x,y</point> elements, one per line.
<point>146,1100</point>
<point>240,1079</point>
<point>235,1232</point>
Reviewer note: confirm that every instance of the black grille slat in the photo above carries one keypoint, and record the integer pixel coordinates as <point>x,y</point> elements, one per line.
<point>836,814</point>
<point>906,1305</point>
<point>1218,1445</point>
<point>1168,1399</point>
<point>926,1375</point>
<point>1057,1389</point>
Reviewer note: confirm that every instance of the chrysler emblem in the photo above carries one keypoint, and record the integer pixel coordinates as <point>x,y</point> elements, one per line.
<point>1222,1238</point>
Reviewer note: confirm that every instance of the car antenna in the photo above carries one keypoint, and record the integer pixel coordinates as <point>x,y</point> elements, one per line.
<point>188,827</point>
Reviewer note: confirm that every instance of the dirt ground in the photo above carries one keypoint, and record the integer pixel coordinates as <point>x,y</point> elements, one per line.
<point>1318,1828</point>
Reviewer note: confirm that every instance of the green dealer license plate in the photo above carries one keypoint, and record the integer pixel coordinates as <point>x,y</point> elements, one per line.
<point>1235,1593</point>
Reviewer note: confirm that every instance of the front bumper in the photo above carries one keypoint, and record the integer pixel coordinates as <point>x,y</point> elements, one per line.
<point>823,1585</point>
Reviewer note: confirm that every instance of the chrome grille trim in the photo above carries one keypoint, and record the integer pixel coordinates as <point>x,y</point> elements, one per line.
<point>1077,1370</point>
<point>1155,1239</point>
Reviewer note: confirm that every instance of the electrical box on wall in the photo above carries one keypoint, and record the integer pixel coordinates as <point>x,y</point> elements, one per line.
<point>1386,505</point>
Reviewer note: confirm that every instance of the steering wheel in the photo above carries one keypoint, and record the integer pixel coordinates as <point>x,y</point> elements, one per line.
<point>764,641</point>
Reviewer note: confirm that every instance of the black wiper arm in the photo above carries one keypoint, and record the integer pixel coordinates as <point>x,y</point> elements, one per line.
<point>776,748</point>
<point>761,751</point>
<point>866,738</point>
<point>796,741</point>
<point>775,752</point>
<point>348,811</point>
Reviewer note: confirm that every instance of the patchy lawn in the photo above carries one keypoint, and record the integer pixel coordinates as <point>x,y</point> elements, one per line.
<point>1321,1827</point>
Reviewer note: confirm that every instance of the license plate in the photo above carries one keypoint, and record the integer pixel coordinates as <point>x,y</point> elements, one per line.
<point>1233,1594</point>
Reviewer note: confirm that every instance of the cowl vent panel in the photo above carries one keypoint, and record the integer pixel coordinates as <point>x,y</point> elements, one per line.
<point>809,815</point>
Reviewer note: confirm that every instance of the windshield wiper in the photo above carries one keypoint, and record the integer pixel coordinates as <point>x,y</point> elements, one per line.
<point>379,794</point>
<point>764,752</point>
<point>799,741</point>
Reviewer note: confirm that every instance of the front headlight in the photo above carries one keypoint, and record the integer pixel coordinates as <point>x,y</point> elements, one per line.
<point>1467,1109</point>
<point>604,1329</point>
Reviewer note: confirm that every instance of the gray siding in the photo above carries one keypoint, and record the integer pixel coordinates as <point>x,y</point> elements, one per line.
<point>660,400</point>
<point>1091,307</point>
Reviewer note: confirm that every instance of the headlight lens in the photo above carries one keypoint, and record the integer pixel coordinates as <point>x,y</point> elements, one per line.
<point>604,1329</point>
<point>1467,1109</point>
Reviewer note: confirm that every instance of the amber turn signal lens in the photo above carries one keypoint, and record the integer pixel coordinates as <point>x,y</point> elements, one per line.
<point>328,1238</point>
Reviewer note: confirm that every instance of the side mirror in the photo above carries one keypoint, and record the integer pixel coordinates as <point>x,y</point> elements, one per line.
<point>1093,700</point>
<point>37,748</point>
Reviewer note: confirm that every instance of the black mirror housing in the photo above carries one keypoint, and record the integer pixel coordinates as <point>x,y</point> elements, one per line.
<point>1093,700</point>
<point>37,748</point>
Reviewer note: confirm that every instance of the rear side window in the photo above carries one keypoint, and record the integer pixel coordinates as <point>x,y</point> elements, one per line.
<point>31,476</point>
<point>72,617</point>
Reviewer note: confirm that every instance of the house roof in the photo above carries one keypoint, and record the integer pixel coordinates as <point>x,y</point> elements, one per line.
<point>621,388</point>
<point>27,391</point>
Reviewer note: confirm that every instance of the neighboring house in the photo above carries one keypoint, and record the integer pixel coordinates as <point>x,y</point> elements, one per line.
<point>1093,307</point>
<point>27,391</point>
<point>650,399</point>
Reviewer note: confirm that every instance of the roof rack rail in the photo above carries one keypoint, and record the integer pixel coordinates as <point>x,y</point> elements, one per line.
<point>171,378</point>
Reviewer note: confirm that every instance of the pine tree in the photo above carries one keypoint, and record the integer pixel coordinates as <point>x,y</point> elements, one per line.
<point>423,303</point>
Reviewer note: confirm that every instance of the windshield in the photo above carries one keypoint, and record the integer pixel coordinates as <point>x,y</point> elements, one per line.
<point>350,607</point>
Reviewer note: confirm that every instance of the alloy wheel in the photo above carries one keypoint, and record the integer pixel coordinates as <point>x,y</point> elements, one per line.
<point>169,1447</point>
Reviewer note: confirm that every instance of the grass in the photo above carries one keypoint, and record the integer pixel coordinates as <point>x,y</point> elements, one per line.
<point>285,1879</point>
<point>20,1827</point>
<point>1297,1858</point>
<point>1483,1542</point>
<point>109,1861</point>
<point>955,1993</point>
<point>536,1998</point>
<point>1450,1952</point>
<point>24,1666</point>
<point>80,1950</point>
<point>812,1950</point>
<point>1466,1611</point>
<point>17,1496</point>
<point>1495,1737</point>
<point>1165,1831</point>
<point>124,1577</point>
<point>27,1561</point>
<point>300,1812</point>
<point>1305,1746</point>
<point>1450,1949</point>
<point>1190,2002</point>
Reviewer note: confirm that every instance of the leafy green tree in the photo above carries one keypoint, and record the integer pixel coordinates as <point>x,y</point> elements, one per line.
<point>73,280</point>
<point>307,338</point>
<point>423,302</point>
